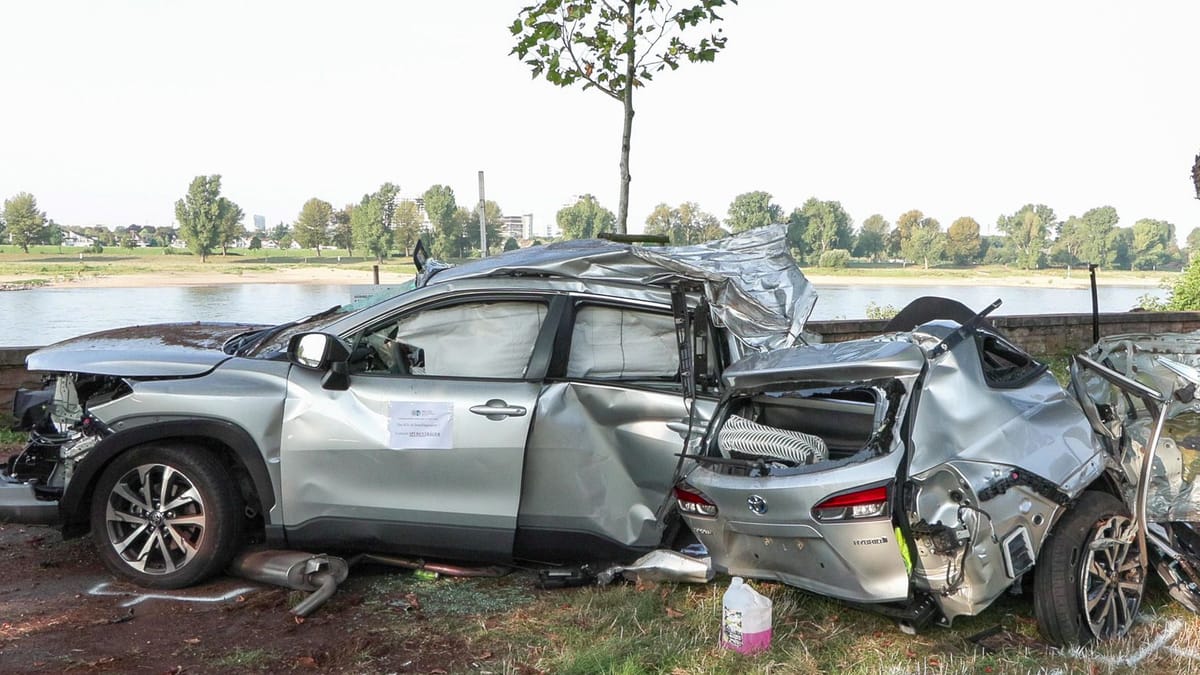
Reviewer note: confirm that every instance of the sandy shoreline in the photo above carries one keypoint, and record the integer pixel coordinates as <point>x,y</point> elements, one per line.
<point>1077,280</point>
<point>339,276</point>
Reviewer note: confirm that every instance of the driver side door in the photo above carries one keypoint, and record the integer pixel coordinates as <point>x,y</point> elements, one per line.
<point>423,452</point>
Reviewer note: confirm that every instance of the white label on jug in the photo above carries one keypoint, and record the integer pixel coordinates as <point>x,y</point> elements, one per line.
<point>732,627</point>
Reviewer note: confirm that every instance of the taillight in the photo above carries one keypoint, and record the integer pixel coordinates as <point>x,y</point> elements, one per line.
<point>861,504</point>
<point>692,502</point>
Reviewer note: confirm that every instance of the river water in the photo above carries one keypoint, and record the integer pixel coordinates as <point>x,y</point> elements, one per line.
<point>40,316</point>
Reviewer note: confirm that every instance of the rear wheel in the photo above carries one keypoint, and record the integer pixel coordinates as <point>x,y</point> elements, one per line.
<point>1089,580</point>
<point>166,516</point>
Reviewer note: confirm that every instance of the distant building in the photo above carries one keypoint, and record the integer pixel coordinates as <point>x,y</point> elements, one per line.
<point>260,223</point>
<point>517,227</point>
<point>76,239</point>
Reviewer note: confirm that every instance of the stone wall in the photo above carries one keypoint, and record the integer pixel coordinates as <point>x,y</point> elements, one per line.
<point>1040,334</point>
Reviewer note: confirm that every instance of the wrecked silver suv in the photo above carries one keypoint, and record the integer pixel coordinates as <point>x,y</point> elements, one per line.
<point>527,406</point>
<point>924,472</point>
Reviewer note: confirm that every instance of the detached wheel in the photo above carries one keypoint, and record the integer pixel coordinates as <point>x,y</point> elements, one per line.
<point>1088,581</point>
<point>166,516</point>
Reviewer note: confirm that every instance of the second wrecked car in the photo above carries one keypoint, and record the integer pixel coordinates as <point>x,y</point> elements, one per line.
<point>924,472</point>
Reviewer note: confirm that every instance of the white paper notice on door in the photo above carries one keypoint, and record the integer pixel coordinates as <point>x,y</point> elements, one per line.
<point>420,425</point>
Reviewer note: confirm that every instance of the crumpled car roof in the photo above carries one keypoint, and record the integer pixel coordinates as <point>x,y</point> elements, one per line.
<point>754,287</point>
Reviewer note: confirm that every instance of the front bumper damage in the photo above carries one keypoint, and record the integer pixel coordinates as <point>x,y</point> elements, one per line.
<point>61,433</point>
<point>20,503</point>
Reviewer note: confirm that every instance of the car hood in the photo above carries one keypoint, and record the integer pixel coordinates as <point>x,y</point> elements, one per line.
<point>161,350</point>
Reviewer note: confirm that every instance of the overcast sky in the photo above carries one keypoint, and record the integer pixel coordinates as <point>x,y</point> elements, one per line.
<point>956,108</point>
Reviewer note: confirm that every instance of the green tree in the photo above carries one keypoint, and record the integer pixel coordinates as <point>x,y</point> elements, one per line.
<point>342,234</point>
<point>1122,245</point>
<point>752,209</point>
<point>1153,244</point>
<point>25,224</point>
<point>366,221</point>
<point>511,244</point>
<point>312,225</point>
<point>492,215</point>
<point>827,225</point>
<point>584,219</point>
<point>684,225</point>
<point>963,241</point>
<point>204,216</point>
<point>408,224</point>
<point>614,46</point>
<point>255,243</point>
<point>372,221</point>
<point>895,241</point>
<point>1097,236</point>
<point>1193,243</point>
<point>279,233</point>
<point>1027,232</point>
<point>926,242</point>
<point>440,207</point>
<point>231,228</point>
<point>872,237</point>
<point>797,234</point>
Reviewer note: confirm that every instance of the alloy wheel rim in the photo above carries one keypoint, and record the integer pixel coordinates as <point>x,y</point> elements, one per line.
<point>155,519</point>
<point>1112,578</point>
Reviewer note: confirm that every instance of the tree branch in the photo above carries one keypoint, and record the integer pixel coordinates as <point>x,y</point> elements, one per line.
<point>568,45</point>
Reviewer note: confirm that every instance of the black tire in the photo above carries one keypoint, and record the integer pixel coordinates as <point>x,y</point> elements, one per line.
<point>1068,574</point>
<point>166,516</point>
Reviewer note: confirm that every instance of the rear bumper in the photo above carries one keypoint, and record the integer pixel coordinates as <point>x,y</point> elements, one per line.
<point>19,504</point>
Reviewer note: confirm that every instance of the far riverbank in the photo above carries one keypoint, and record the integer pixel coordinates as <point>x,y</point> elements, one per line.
<point>319,275</point>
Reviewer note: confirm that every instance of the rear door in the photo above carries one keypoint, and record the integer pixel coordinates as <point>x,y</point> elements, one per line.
<point>608,427</point>
<point>423,452</point>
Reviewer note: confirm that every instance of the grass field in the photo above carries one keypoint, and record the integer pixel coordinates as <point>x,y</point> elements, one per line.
<point>673,628</point>
<point>52,264</point>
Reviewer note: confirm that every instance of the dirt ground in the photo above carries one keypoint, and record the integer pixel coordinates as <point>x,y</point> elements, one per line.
<point>60,611</point>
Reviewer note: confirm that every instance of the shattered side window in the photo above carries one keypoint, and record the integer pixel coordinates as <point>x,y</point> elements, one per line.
<point>1006,366</point>
<point>473,339</point>
<point>616,343</point>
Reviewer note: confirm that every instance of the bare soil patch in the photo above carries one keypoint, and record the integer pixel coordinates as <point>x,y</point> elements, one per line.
<point>60,611</point>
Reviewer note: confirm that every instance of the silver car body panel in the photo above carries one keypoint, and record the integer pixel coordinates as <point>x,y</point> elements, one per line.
<point>1174,488</point>
<point>600,460</point>
<point>163,350</point>
<point>338,467</point>
<point>959,508</point>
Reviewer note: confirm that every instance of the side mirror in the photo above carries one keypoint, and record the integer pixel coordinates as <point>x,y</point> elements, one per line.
<point>321,351</point>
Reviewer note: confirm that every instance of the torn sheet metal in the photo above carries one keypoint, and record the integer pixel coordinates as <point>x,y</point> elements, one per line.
<point>752,283</point>
<point>1163,363</point>
<point>662,565</point>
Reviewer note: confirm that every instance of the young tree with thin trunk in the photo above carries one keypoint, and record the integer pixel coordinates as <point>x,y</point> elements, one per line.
<point>614,46</point>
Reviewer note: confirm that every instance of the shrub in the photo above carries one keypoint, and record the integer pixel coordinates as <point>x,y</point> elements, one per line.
<point>880,312</point>
<point>834,257</point>
<point>1185,290</point>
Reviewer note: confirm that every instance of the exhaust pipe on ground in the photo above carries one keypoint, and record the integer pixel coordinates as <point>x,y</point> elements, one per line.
<point>319,574</point>
<point>440,568</point>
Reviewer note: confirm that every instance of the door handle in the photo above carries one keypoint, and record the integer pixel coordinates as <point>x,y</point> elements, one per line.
<point>497,410</point>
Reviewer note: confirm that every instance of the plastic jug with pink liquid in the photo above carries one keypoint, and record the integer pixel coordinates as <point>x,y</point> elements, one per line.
<point>746,619</point>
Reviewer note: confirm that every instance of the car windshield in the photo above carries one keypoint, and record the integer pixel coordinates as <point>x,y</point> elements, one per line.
<point>272,341</point>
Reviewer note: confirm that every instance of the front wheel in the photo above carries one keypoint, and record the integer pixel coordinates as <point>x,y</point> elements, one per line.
<point>166,516</point>
<point>1089,578</point>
